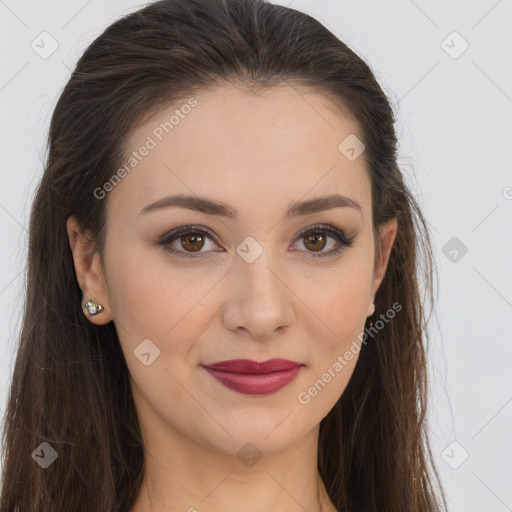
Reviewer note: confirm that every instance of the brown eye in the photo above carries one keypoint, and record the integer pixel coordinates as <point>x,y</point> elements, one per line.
<point>187,240</point>
<point>315,241</point>
<point>192,242</point>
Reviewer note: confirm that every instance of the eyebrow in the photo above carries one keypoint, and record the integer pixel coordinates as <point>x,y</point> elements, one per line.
<point>211,207</point>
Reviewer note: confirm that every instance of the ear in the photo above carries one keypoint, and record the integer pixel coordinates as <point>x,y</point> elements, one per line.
<point>89,272</point>
<point>387,232</point>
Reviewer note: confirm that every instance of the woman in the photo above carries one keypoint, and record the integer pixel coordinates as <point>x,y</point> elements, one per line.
<point>223,307</point>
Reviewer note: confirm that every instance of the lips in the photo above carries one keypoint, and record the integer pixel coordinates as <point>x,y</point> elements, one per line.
<point>248,366</point>
<point>253,377</point>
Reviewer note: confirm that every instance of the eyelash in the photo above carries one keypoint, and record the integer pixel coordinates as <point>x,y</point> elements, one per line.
<point>338,235</point>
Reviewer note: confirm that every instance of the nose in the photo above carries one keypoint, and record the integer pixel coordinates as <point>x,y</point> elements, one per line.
<point>258,302</point>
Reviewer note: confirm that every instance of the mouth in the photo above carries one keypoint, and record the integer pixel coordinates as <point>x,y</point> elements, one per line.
<point>252,377</point>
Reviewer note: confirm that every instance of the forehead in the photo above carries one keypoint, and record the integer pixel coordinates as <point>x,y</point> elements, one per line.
<point>250,150</point>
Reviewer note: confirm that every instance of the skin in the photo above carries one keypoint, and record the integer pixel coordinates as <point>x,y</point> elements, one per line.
<point>257,153</point>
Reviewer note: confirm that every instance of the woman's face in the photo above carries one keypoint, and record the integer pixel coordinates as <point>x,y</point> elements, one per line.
<point>258,289</point>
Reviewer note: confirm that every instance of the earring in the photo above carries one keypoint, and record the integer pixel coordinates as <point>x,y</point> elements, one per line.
<point>93,308</point>
<point>373,311</point>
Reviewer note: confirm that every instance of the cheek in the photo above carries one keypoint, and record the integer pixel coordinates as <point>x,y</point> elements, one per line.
<point>336,313</point>
<point>337,301</point>
<point>153,300</point>
<point>143,299</point>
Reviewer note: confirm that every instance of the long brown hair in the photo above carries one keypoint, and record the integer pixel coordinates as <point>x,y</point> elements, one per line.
<point>70,386</point>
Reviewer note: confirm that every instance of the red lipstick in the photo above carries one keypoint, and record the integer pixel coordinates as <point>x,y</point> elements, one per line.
<point>253,377</point>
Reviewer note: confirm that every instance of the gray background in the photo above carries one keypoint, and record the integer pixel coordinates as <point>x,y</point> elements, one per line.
<point>455,120</point>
